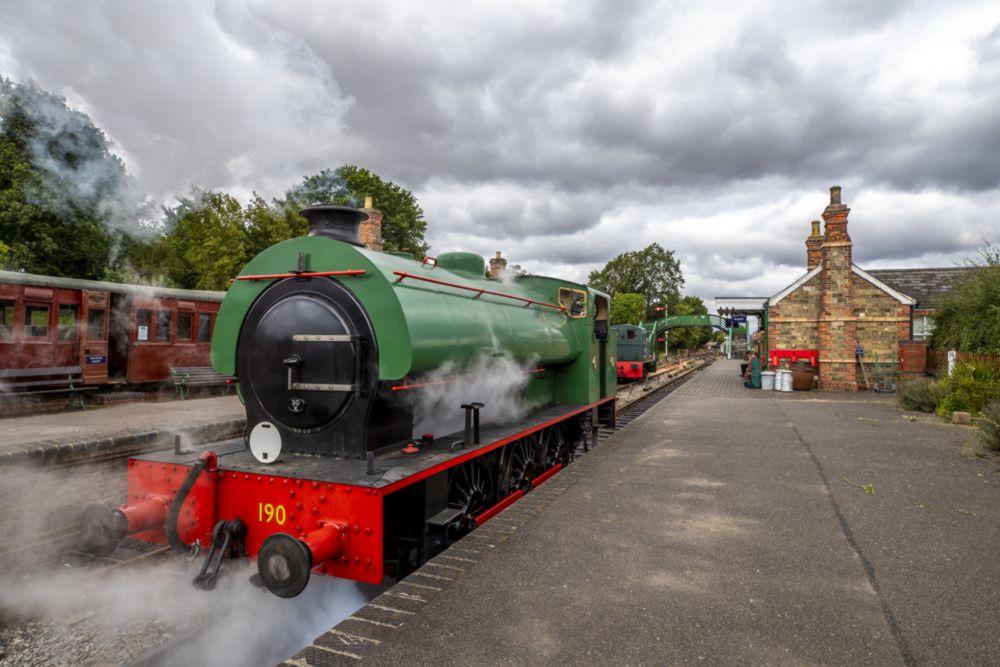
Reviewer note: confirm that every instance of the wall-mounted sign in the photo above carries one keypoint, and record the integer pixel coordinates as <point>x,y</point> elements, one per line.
<point>97,359</point>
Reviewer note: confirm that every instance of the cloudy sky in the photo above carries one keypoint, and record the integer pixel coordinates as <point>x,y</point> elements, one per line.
<point>563,132</point>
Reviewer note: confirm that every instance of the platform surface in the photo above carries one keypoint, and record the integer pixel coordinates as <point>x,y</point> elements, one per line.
<point>729,526</point>
<point>56,435</point>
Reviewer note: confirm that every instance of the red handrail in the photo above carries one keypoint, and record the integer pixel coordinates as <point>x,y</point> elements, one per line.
<point>305,274</point>
<point>480,291</point>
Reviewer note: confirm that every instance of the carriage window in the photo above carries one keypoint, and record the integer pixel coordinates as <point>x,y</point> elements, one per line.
<point>67,323</point>
<point>95,323</point>
<point>6,320</point>
<point>630,333</point>
<point>36,321</point>
<point>574,301</point>
<point>204,327</point>
<point>184,326</point>
<point>163,325</point>
<point>142,320</point>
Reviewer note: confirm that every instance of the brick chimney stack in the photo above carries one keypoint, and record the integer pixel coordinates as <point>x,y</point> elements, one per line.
<point>370,230</point>
<point>837,328</point>
<point>813,253</point>
<point>497,266</point>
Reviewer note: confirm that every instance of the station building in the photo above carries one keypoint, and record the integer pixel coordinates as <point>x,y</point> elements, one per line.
<point>843,319</point>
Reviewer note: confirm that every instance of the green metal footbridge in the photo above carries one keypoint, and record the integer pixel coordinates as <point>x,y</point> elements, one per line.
<point>661,326</point>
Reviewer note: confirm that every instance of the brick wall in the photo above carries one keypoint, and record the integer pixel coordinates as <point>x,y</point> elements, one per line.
<point>793,322</point>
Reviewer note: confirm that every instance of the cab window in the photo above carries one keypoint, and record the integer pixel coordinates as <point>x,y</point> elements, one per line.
<point>143,318</point>
<point>204,327</point>
<point>67,322</point>
<point>574,301</point>
<point>184,326</point>
<point>163,325</point>
<point>95,324</point>
<point>36,321</point>
<point>6,320</point>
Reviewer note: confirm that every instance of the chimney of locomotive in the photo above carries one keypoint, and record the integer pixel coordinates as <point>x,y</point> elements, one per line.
<point>338,222</point>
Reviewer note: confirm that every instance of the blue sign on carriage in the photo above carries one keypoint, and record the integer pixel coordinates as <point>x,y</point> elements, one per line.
<point>97,359</point>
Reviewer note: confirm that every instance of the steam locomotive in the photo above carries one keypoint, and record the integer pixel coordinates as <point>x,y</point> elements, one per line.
<point>332,346</point>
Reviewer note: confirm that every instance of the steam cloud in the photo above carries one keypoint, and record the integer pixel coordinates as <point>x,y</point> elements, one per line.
<point>77,615</point>
<point>495,381</point>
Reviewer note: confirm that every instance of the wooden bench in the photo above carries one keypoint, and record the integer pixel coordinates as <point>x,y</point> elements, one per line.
<point>18,382</point>
<point>197,376</point>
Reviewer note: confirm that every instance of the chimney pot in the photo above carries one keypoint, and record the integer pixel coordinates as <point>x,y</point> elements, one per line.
<point>815,228</point>
<point>368,202</point>
<point>835,194</point>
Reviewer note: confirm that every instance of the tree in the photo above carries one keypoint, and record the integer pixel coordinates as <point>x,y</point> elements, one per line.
<point>207,241</point>
<point>968,319</point>
<point>267,225</point>
<point>403,224</point>
<point>652,272</point>
<point>61,188</point>
<point>628,308</point>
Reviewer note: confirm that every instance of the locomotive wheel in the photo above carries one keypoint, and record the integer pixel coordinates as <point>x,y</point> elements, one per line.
<point>471,490</point>
<point>520,465</point>
<point>555,447</point>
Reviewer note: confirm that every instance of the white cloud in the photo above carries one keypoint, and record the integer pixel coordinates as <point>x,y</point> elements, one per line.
<point>565,132</point>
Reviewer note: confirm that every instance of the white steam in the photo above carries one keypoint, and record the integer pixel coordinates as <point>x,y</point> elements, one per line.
<point>497,382</point>
<point>56,610</point>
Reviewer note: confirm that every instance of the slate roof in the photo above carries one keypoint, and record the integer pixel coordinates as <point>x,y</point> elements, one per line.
<point>927,286</point>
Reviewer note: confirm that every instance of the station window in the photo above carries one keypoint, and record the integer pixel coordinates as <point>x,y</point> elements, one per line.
<point>142,322</point>
<point>67,322</point>
<point>163,325</point>
<point>204,327</point>
<point>923,327</point>
<point>95,323</point>
<point>6,320</point>
<point>574,301</point>
<point>36,321</point>
<point>184,326</point>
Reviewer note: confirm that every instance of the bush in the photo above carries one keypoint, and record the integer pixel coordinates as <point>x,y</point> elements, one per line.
<point>990,425</point>
<point>920,395</point>
<point>972,384</point>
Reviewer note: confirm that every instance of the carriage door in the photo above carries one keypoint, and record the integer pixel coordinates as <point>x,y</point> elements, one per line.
<point>94,339</point>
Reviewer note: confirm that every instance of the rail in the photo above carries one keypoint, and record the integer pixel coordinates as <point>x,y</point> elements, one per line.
<point>480,291</point>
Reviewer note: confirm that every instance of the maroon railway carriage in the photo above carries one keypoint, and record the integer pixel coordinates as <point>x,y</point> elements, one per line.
<point>115,333</point>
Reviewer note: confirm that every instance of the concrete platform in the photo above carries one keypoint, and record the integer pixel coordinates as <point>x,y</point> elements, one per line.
<point>725,526</point>
<point>117,429</point>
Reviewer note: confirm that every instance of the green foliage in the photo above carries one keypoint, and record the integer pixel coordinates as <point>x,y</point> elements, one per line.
<point>61,188</point>
<point>968,319</point>
<point>207,241</point>
<point>989,426</point>
<point>652,272</point>
<point>920,395</point>
<point>971,385</point>
<point>628,308</point>
<point>403,224</point>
